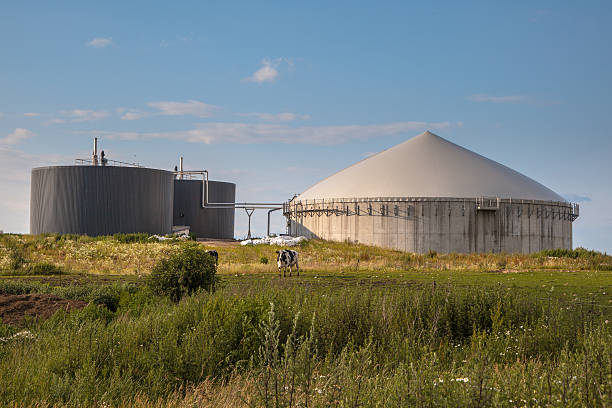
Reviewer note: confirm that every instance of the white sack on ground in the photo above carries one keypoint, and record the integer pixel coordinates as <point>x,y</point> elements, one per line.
<point>280,241</point>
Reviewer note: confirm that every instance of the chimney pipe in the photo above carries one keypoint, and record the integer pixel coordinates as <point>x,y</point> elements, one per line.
<point>181,168</point>
<point>94,157</point>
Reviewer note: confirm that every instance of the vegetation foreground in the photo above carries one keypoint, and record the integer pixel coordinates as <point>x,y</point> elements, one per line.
<point>362,326</point>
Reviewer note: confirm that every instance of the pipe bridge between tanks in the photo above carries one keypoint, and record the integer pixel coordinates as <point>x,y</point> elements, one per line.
<point>249,207</point>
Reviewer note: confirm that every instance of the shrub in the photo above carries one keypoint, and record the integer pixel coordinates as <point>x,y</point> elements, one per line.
<point>569,253</point>
<point>263,260</point>
<point>184,273</point>
<point>108,297</point>
<point>131,238</point>
<point>44,268</point>
<point>16,255</point>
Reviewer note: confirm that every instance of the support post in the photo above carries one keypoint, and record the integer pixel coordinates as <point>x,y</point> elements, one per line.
<point>249,212</point>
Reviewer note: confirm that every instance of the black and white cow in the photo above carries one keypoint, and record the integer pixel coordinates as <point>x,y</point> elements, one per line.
<point>287,258</point>
<point>215,255</point>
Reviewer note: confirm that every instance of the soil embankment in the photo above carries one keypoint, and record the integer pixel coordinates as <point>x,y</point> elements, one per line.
<point>15,308</point>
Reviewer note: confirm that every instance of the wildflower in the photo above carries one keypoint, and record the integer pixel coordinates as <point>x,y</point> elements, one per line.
<point>26,334</point>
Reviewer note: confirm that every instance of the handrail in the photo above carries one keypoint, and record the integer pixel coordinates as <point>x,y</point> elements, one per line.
<point>85,162</point>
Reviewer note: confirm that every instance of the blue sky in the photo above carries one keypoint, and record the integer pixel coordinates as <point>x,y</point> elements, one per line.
<point>275,96</point>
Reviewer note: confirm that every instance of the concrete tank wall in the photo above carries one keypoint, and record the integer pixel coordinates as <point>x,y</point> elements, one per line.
<point>101,200</point>
<point>439,224</point>
<point>204,222</point>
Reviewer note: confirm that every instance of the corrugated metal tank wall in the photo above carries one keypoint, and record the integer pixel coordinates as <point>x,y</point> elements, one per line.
<point>439,224</point>
<point>101,200</point>
<point>204,222</point>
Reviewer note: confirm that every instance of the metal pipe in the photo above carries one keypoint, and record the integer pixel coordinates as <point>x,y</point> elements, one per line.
<point>94,157</point>
<point>272,210</point>
<point>233,205</point>
<point>207,204</point>
<point>181,168</point>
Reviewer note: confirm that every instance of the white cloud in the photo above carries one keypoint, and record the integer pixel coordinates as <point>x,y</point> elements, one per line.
<point>31,114</point>
<point>191,107</point>
<point>84,115</point>
<point>54,121</point>
<point>133,115</point>
<point>269,70</point>
<point>497,99</point>
<point>267,73</point>
<point>17,136</point>
<point>277,117</point>
<point>256,133</point>
<point>100,42</point>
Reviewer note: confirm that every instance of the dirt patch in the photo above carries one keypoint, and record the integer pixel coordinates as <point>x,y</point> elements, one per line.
<point>219,242</point>
<point>14,308</point>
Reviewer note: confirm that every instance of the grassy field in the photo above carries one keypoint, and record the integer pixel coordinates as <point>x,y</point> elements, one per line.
<point>361,326</point>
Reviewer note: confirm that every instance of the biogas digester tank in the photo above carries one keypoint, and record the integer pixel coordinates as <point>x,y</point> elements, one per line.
<point>206,222</point>
<point>428,194</point>
<point>101,200</point>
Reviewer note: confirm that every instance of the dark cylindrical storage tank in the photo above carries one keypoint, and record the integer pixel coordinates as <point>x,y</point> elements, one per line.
<point>101,200</point>
<point>205,222</point>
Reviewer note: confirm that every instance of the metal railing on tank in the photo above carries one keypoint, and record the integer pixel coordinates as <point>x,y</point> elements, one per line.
<point>104,162</point>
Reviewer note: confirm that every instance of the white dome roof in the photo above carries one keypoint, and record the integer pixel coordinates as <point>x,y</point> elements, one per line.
<point>429,166</point>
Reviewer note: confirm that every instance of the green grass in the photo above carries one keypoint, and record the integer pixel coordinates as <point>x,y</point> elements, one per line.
<point>361,326</point>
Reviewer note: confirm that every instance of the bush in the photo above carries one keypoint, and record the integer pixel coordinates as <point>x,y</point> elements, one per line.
<point>108,297</point>
<point>263,260</point>
<point>569,253</point>
<point>44,268</point>
<point>131,238</point>
<point>184,273</point>
<point>16,255</point>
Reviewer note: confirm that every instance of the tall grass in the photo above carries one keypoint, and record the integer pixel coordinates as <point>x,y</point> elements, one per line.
<point>135,254</point>
<point>331,347</point>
